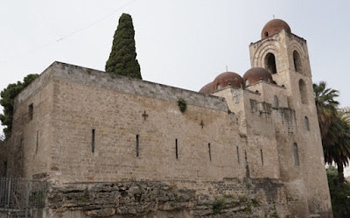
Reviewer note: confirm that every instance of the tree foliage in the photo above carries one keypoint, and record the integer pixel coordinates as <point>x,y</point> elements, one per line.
<point>337,149</point>
<point>340,194</point>
<point>335,129</point>
<point>326,106</point>
<point>7,101</point>
<point>122,59</point>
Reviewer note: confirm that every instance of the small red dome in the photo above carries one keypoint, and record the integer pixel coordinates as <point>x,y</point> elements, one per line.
<point>274,26</point>
<point>223,80</point>
<point>256,74</point>
<point>228,79</point>
<point>207,89</point>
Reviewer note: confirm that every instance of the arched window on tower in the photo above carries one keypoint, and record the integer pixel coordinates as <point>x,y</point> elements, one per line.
<point>270,63</point>
<point>296,154</point>
<point>297,62</point>
<point>303,92</point>
<point>275,101</point>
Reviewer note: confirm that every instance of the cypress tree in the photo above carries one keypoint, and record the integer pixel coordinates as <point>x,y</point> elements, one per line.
<point>122,59</point>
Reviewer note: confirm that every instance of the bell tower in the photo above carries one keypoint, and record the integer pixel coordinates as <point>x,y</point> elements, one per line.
<point>285,56</point>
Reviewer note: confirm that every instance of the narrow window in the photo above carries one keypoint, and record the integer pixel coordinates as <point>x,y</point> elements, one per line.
<point>266,34</point>
<point>296,154</point>
<point>137,145</point>
<point>275,101</point>
<point>37,142</point>
<point>31,111</point>
<point>209,149</point>
<point>297,62</point>
<point>93,141</point>
<point>218,86</point>
<point>307,126</point>
<point>21,149</point>
<point>5,169</point>
<point>247,82</point>
<point>303,92</point>
<point>262,157</point>
<point>238,160</point>
<point>176,150</point>
<point>270,63</point>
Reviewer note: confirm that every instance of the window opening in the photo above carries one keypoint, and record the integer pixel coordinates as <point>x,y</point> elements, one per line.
<point>296,154</point>
<point>93,141</point>
<point>218,86</point>
<point>31,111</point>
<point>270,63</point>
<point>307,126</point>
<point>137,146</point>
<point>5,169</point>
<point>21,148</point>
<point>297,62</point>
<point>247,82</point>
<point>37,142</point>
<point>275,101</point>
<point>303,92</point>
<point>238,160</point>
<point>262,157</point>
<point>266,34</point>
<point>209,149</point>
<point>176,150</point>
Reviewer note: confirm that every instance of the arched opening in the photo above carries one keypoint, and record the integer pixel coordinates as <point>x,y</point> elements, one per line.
<point>303,92</point>
<point>307,125</point>
<point>218,87</point>
<point>266,34</point>
<point>297,62</point>
<point>270,63</point>
<point>275,101</point>
<point>246,82</point>
<point>296,154</point>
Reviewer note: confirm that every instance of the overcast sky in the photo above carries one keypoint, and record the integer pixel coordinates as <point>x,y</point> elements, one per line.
<point>182,43</point>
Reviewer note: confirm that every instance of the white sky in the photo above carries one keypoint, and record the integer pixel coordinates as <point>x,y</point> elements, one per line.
<point>182,43</point>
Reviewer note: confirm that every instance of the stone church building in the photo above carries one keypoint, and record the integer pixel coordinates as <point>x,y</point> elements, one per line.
<point>111,146</point>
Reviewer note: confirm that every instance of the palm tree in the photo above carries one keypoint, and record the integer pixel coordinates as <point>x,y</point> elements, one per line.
<point>338,148</point>
<point>326,106</point>
<point>334,127</point>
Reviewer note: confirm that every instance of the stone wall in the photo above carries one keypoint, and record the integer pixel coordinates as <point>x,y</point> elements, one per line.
<point>121,118</point>
<point>87,132</point>
<point>233,198</point>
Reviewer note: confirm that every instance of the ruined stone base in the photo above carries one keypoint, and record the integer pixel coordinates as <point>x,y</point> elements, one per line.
<point>146,199</point>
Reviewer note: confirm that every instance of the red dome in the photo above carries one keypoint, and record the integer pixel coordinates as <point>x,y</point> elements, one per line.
<point>223,80</point>
<point>228,79</point>
<point>274,26</point>
<point>207,89</point>
<point>256,74</point>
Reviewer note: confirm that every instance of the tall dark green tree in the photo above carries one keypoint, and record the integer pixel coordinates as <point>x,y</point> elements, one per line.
<point>7,101</point>
<point>122,59</point>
